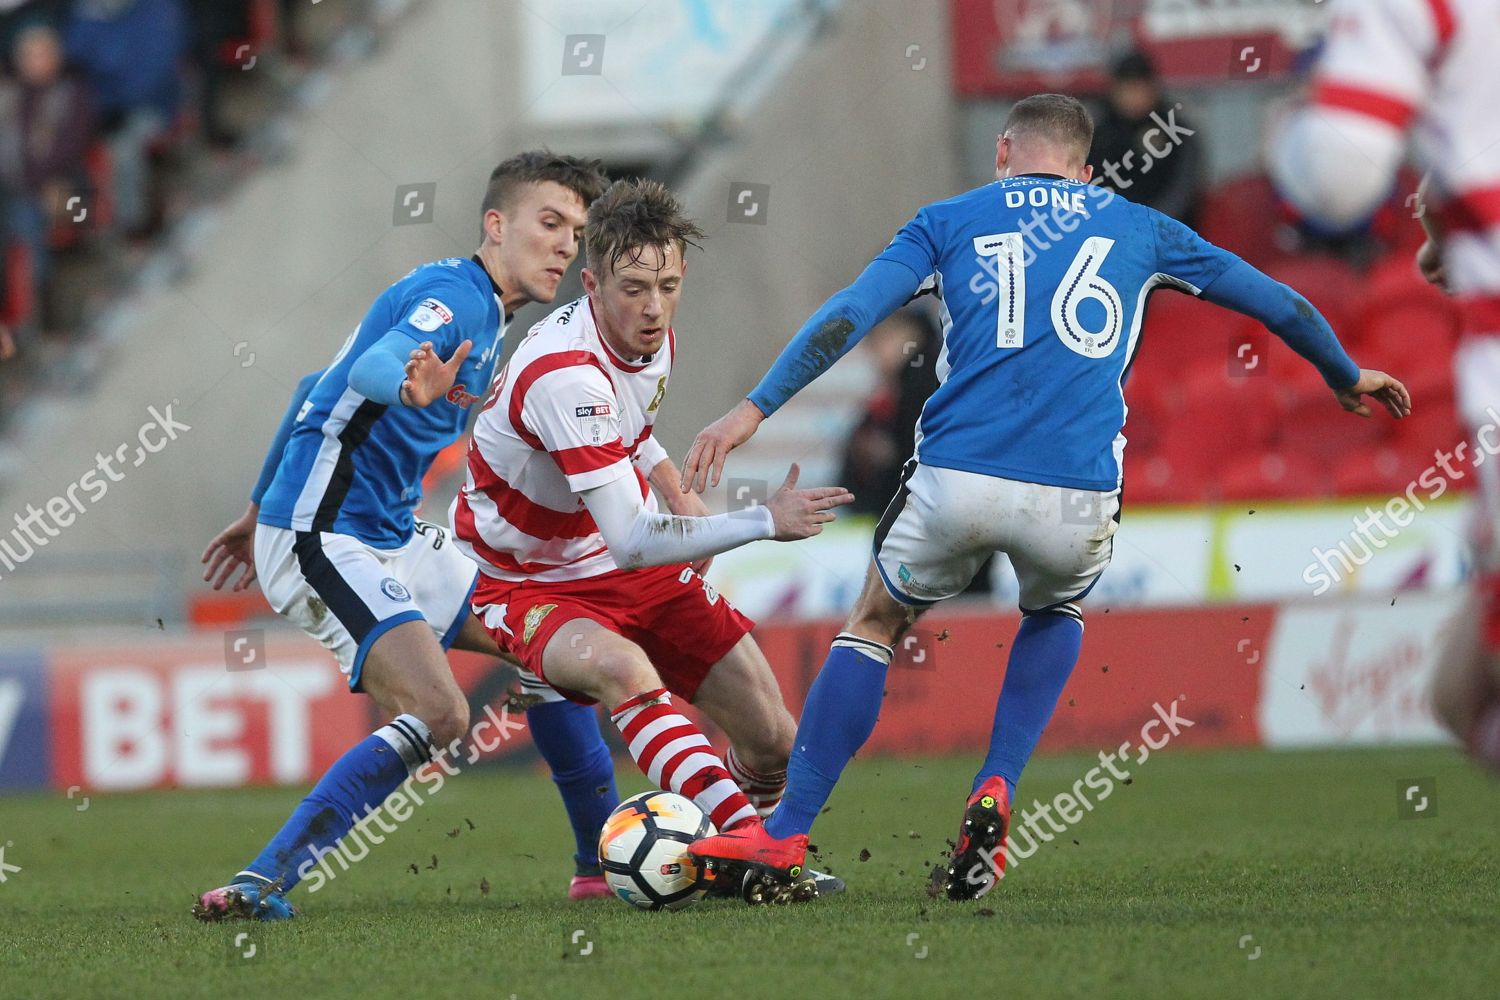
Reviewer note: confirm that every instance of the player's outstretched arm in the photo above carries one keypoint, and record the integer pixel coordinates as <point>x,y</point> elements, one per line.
<point>1430,256</point>
<point>714,443</point>
<point>1379,386</point>
<point>1292,318</point>
<point>638,537</point>
<point>667,481</point>
<point>234,547</point>
<point>831,333</point>
<point>394,373</point>
<point>801,514</point>
<point>428,377</point>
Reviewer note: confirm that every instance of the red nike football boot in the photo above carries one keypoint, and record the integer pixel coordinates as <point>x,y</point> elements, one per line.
<point>768,870</point>
<point>979,857</point>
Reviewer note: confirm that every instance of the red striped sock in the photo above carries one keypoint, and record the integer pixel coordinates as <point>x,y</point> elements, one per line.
<point>762,788</point>
<point>675,755</point>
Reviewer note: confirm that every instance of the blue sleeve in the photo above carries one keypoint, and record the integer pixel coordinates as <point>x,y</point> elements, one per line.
<point>916,246</point>
<point>445,310</point>
<point>834,329</point>
<point>1288,315</point>
<point>1185,256</point>
<point>1222,278</point>
<point>283,434</point>
<point>379,372</point>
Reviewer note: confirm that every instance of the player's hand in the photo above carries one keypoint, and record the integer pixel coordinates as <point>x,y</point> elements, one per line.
<point>1382,388</point>
<point>802,513</point>
<point>1430,263</point>
<point>232,549</point>
<point>690,505</point>
<point>714,443</point>
<point>427,377</point>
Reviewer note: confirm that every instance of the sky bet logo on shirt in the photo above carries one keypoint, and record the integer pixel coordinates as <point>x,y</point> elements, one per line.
<point>592,418</point>
<point>430,315</point>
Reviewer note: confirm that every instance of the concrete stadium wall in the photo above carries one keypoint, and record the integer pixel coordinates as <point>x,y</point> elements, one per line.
<point>852,141</point>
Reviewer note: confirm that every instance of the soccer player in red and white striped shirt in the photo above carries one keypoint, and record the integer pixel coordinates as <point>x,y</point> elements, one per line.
<point>1427,70</point>
<point>582,578</point>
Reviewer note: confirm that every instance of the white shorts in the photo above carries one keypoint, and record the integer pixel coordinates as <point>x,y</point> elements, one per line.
<point>943,524</point>
<point>1477,378</point>
<point>346,594</point>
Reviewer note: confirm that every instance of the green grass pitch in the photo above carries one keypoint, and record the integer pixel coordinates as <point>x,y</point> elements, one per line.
<point>1213,874</point>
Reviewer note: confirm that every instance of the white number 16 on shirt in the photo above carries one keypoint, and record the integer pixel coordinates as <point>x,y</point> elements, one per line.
<point>1081,283</point>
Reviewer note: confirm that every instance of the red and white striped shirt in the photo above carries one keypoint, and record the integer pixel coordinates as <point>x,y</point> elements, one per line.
<point>565,415</point>
<point>1430,68</point>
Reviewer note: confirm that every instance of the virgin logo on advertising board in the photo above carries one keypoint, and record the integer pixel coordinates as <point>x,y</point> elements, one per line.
<point>1374,689</point>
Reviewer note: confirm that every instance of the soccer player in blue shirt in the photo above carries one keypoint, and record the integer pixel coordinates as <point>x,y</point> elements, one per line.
<point>330,533</point>
<point>1043,280</point>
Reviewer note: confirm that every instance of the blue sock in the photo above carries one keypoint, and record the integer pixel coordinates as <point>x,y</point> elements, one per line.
<point>1041,660</point>
<point>358,781</point>
<point>568,738</point>
<point>839,716</point>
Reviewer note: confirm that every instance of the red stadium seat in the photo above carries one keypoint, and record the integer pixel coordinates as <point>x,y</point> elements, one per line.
<point>1271,475</point>
<point>1328,283</point>
<point>18,305</point>
<point>1245,215</point>
<point>1151,478</point>
<point>1297,382</point>
<point>1233,407</point>
<point>99,171</point>
<point>1376,472</point>
<point>1181,332</point>
<point>1395,278</point>
<point>1431,426</point>
<point>261,29</point>
<point>1411,336</point>
<point>1394,225</point>
<point>1317,428</point>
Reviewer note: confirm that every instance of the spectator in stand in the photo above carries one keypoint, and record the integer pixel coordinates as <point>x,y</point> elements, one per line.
<point>46,128</point>
<point>1127,158</point>
<point>18,15</point>
<point>292,35</point>
<point>216,27</point>
<point>905,349</point>
<point>131,51</point>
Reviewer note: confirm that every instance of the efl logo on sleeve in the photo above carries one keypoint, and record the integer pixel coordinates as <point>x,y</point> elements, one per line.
<point>430,315</point>
<point>594,420</point>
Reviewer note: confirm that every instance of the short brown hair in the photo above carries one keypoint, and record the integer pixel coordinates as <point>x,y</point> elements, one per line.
<point>632,216</point>
<point>1055,118</point>
<point>584,177</point>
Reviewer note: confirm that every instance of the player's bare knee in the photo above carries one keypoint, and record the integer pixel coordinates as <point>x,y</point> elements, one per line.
<point>884,621</point>
<point>768,748</point>
<point>624,673</point>
<point>780,749</point>
<point>447,717</point>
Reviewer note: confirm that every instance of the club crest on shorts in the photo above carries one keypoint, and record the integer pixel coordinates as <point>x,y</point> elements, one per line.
<point>534,618</point>
<point>394,589</point>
